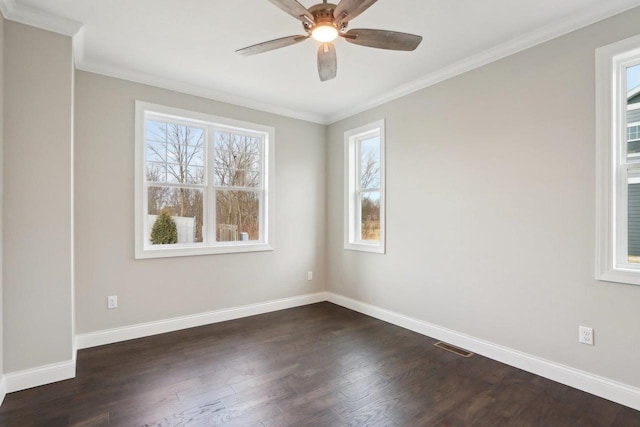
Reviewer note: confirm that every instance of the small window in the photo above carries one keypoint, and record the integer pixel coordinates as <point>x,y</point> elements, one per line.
<point>618,161</point>
<point>365,189</point>
<point>202,184</point>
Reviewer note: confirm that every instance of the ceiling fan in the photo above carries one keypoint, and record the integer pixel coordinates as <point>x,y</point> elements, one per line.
<point>325,22</point>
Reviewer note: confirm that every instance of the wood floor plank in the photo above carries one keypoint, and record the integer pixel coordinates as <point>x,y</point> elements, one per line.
<point>317,365</point>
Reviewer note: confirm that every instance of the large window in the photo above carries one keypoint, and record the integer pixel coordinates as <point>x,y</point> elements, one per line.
<point>618,173</point>
<point>202,184</point>
<point>365,189</point>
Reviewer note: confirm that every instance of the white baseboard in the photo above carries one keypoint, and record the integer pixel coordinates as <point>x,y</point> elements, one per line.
<point>3,389</point>
<point>109,336</point>
<point>21,380</point>
<point>617,392</point>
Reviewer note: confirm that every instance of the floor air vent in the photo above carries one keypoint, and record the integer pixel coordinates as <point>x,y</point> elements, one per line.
<point>453,349</point>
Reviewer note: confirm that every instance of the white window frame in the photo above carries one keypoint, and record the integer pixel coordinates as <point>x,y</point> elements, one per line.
<point>143,248</point>
<point>352,192</point>
<point>612,164</point>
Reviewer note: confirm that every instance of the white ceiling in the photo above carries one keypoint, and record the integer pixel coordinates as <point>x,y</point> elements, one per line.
<point>189,45</point>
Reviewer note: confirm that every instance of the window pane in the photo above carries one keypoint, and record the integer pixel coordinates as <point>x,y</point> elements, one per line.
<point>370,216</point>
<point>195,175</point>
<point>156,152</point>
<point>633,141</point>
<point>155,131</point>
<point>633,113</point>
<point>180,148</point>
<point>633,79</point>
<point>185,207</point>
<point>370,163</point>
<point>237,215</point>
<point>237,160</point>
<point>156,172</point>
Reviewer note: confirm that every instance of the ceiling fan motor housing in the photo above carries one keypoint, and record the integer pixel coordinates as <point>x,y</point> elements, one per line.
<point>323,15</point>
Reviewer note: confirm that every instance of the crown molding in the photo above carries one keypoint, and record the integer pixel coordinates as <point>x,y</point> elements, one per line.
<point>38,18</point>
<point>534,38</point>
<point>190,89</point>
<point>47,21</point>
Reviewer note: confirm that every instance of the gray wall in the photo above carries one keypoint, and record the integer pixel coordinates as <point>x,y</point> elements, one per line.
<point>37,276</point>
<point>155,289</point>
<point>491,209</point>
<point>490,180</point>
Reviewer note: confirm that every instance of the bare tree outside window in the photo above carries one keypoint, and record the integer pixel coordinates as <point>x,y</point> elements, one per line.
<point>237,178</point>
<point>211,175</point>
<point>370,189</point>
<point>175,155</point>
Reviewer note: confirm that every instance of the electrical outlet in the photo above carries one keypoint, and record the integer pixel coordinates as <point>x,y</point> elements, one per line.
<point>310,275</point>
<point>585,335</point>
<point>112,302</point>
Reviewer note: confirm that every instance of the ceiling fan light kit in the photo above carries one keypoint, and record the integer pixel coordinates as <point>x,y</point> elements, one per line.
<point>325,22</point>
<point>324,33</point>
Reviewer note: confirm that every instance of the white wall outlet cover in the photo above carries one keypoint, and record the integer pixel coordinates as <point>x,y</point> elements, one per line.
<point>112,301</point>
<point>310,275</point>
<point>585,335</point>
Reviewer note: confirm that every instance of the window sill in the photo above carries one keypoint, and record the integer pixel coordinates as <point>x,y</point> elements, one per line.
<point>172,251</point>
<point>629,277</point>
<point>376,248</point>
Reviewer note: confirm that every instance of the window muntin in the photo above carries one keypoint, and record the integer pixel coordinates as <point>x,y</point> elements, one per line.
<point>364,188</point>
<point>210,175</point>
<point>618,173</point>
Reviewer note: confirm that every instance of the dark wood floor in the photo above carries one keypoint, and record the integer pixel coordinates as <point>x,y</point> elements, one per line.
<point>317,365</point>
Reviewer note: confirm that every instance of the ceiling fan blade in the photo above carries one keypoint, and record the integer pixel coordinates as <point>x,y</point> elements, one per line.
<point>327,62</point>
<point>349,9</point>
<point>295,9</point>
<point>271,45</point>
<point>383,39</point>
